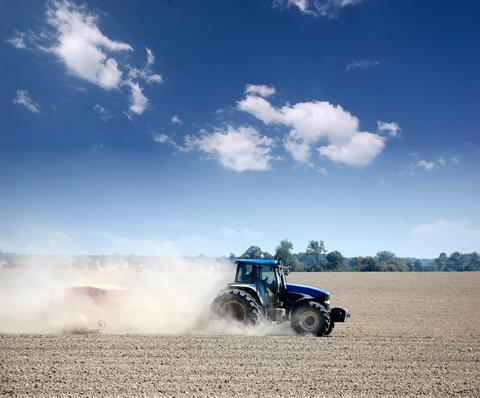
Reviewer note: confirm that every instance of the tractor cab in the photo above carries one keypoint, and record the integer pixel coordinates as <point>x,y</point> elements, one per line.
<point>266,279</point>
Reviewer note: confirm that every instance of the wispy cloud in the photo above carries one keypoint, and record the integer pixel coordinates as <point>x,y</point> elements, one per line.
<point>88,54</point>
<point>455,159</point>
<point>316,8</point>
<point>176,119</point>
<point>161,138</point>
<point>362,64</point>
<point>423,164</point>
<point>261,89</point>
<point>138,100</point>
<point>102,113</point>
<point>430,165</point>
<point>17,40</point>
<point>391,129</point>
<point>83,48</point>
<point>23,99</point>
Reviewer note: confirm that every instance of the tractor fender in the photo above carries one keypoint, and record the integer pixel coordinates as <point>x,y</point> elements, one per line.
<point>250,289</point>
<point>298,303</point>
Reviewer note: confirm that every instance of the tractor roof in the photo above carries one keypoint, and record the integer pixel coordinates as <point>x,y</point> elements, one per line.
<point>257,261</point>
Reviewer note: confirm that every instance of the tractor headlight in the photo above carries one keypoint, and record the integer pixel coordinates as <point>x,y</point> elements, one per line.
<point>327,301</point>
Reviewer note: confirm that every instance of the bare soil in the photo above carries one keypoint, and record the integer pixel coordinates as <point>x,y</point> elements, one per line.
<point>411,334</point>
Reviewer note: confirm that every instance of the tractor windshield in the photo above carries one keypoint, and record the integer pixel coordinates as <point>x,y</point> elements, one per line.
<point>244,273</point>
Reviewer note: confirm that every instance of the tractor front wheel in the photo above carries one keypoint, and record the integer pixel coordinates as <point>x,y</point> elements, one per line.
<point>311,318</point>
<point>236,305</point>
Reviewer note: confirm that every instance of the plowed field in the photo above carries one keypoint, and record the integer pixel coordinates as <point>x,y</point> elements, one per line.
<point>411,334</point>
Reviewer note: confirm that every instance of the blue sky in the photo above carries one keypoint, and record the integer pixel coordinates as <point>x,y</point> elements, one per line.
<point>188,127</point>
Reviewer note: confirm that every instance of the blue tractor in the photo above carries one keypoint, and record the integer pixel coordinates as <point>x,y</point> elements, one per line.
<point>261,292</point>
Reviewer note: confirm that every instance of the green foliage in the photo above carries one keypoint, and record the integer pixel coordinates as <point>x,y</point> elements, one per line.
<point>284,250</point>
<point>315,259</point>
<point>457,262</point>
<point>256,252</point>
<point>335,260</point>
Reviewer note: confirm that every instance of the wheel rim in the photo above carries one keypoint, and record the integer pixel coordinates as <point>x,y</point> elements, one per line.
<point>309,321</point>
<point>233,310</point>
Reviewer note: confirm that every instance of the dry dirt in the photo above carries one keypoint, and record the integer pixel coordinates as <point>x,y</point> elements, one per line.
<point>411,334</point>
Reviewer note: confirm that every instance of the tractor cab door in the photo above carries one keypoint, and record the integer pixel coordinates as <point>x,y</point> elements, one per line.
<point>269,284</point>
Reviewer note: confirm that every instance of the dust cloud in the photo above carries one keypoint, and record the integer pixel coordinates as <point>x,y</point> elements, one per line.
<point>173,298</point>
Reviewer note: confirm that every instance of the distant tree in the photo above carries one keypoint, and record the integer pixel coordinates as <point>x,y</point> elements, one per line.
<point>284,250</point>
<point>315,250</point>
<point>252,252</point>
<point>417,265</point>
<point>370,264</point>
<point>454,262</point>
<point>442,262</point>
<point>267,256</point>
<point>232,257</point>
<point>475,261</point>
<point>385,256</point>
<point>335,260</point>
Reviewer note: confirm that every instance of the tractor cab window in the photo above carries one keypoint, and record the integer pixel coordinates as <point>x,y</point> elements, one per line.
<point>268,280</point>
<point>244,273</point>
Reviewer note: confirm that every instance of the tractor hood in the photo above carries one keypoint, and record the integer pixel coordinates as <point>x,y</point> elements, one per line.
<point>311,291</point>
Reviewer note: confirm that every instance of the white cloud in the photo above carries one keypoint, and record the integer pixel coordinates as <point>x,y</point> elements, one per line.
<point>17,40</point>
<point>24,99</point>
<point>330,129</point>
<point>261,90</point>
<point>441,161</point>
<point>456,159</point>
<point>359,151</point>
<point>324,8</point>
<point>150,56</point>
<point>427,166</point>
<point>323,171</point>
<point>161,138</point>
<point>102,113</point>
<point>299,149</point>
<point>392,129</point>
<point>238,149</point>
<point>362,64</point>
<point>146,73</point>
<point>176,120</point>
<point>138,101</point>
<point>430,239</point>
<point>88,54</point>
<point>83,47</point>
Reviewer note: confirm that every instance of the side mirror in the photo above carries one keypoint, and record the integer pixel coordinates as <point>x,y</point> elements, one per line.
<point>286,270</point>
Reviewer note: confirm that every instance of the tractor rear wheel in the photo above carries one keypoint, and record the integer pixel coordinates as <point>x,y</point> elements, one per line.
<point>236,305</point>
<point>311,318</point>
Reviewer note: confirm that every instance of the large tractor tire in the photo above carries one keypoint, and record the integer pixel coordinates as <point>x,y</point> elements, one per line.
<point>236,305</point>
<point>311,318</point>
<point>330,328</point>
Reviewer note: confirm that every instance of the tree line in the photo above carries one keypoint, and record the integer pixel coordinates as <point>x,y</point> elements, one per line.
<point>316,258</point>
